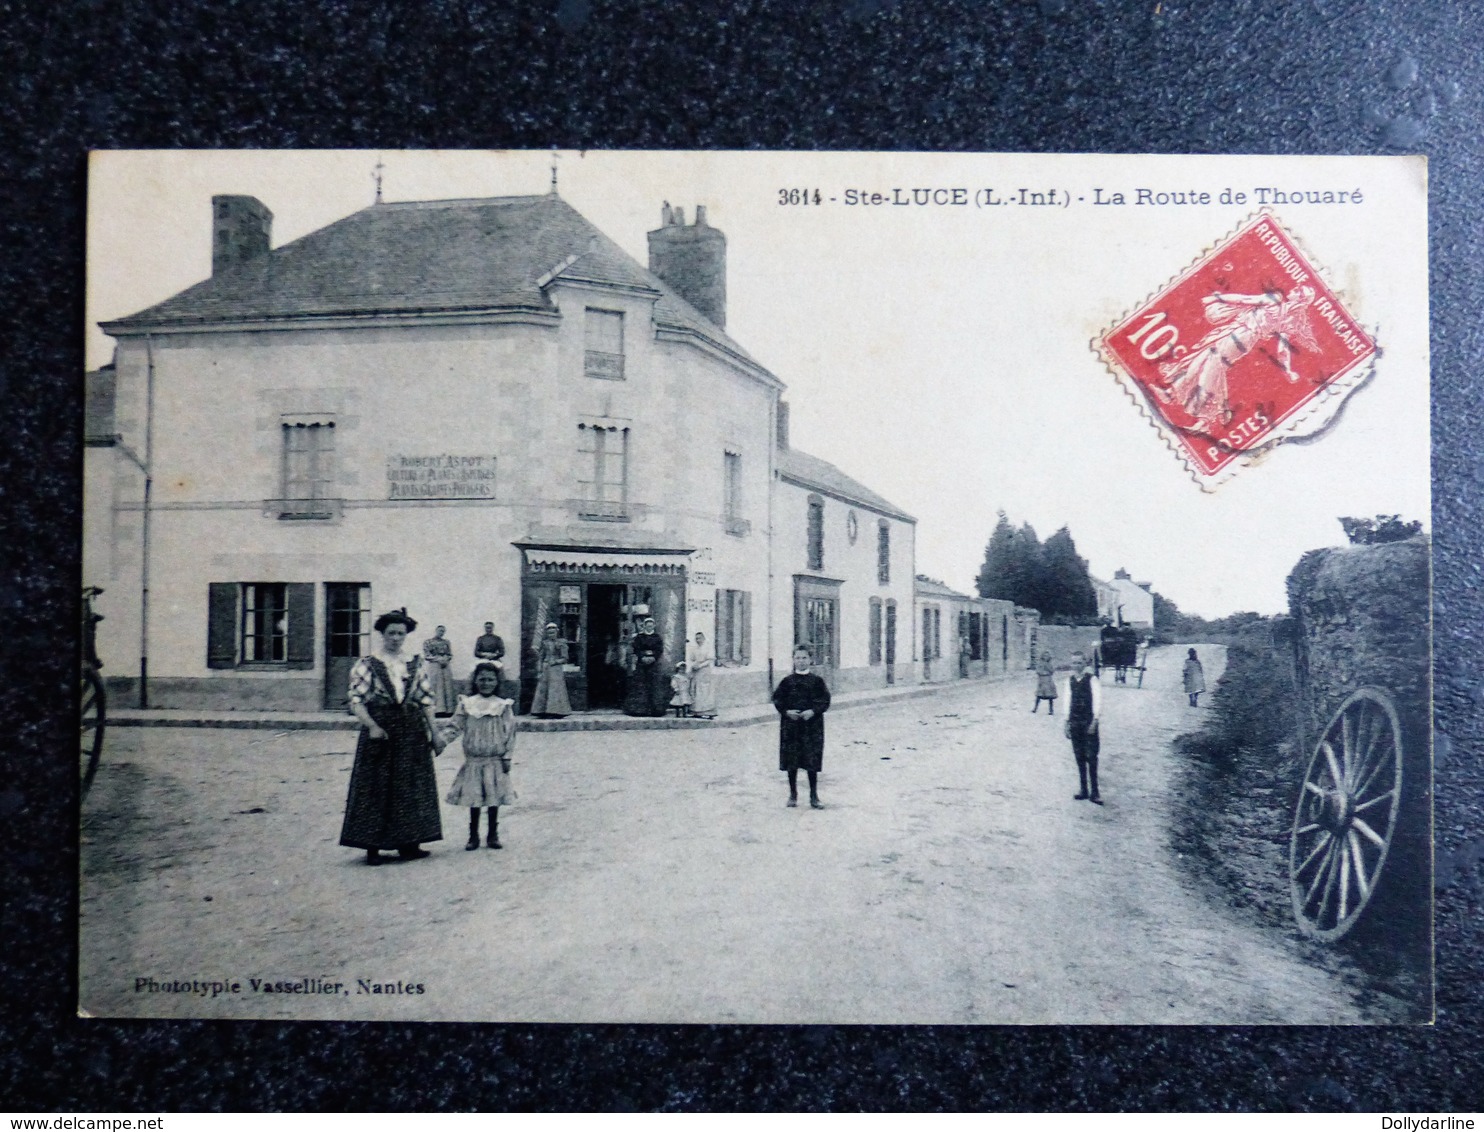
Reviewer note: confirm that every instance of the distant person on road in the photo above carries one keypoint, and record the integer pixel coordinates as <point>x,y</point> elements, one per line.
<point>393,797</point>
<point>1084,705</point>
<point>438,656</point>
<point>1194,677</point>
<point>487,724</point>
<point>1045,684</point>
<point>801,698</point>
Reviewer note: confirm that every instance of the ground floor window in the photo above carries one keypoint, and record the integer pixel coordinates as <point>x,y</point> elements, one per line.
<point>873,631</point>
<point>733,627</point>
<point>260,625</point>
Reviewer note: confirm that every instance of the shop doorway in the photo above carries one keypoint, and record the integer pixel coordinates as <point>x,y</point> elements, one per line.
<point>817,622</point>
<point>605,644</point>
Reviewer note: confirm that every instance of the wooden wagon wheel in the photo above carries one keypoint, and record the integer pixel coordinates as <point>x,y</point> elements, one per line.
<point>93,711</point>
<point>1346,815</point>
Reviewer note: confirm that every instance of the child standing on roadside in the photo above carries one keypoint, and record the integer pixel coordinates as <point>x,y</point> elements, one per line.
<point>487,724</point>
<point>680,697</point>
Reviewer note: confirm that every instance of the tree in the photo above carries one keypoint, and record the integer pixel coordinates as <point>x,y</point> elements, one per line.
<point>995,573</point>
<point>1029,562</point>
<point>1383,528</point>
<point>1010,562</point>
<point>1066,586</point>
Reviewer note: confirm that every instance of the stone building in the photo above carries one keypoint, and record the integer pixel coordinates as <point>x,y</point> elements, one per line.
<point>961,637</point>
<point>482,410</point>
<point>1124,601</point>
<point>843,563</point>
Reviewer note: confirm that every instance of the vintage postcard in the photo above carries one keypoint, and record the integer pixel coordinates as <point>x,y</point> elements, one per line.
<point>756,588</point>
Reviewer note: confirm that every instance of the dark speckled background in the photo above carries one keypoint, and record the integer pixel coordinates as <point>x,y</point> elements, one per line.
<point>1305,76</point>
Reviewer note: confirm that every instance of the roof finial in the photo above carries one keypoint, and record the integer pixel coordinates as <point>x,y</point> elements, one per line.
<point>376,176</point>
<point>554,156</point>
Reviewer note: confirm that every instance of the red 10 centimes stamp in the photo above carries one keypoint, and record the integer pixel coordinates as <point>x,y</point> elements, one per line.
<point>1246,349</point>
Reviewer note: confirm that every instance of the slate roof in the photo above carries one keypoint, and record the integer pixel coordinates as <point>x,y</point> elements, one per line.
<point>931,587</point>
<point>425,257</point>
<point>810,471</point>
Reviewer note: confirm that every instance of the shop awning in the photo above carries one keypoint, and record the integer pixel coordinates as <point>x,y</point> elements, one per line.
<point>641,561</point>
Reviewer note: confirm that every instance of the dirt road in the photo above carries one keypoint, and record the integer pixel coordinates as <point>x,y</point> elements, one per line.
<point>659,877</point>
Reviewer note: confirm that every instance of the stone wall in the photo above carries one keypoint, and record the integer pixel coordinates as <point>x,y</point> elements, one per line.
<point>1362,616</point>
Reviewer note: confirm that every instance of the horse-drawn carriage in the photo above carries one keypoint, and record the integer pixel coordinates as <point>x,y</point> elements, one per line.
<point>1118,648</point>
<point>1361,840</point>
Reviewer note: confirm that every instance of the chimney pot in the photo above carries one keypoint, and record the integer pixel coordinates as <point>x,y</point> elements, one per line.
<point>692,261</point>
<point>241,229</point>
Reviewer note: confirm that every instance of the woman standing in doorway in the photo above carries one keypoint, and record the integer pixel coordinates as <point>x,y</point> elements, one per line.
<point>700,662</point>
<point>550,701</point>
<point>649,693</point>
<point>393,797</point>
<point>438,655</point>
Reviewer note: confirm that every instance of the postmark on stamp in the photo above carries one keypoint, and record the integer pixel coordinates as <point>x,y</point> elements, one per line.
<point>1246,349</point>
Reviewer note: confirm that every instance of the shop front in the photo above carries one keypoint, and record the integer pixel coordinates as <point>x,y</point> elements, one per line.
<point>599,599</point>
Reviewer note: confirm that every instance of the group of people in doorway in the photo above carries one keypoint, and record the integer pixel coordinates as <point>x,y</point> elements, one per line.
<point>1081,691</point>
<point>392,803</point>
<point>689,689</point>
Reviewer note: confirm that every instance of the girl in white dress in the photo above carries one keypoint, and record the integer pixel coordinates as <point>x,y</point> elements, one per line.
<point>487,724</point>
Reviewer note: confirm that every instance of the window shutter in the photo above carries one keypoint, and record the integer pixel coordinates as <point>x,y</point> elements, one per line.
<point>301,624</point>
<point>744,615</point>
<point>221,625</point>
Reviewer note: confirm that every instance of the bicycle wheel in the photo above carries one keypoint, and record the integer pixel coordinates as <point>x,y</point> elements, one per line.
<point>94,715</point>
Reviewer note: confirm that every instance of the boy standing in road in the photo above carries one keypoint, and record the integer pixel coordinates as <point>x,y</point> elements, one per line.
<point>1083,697</point>
<point>801,698</point>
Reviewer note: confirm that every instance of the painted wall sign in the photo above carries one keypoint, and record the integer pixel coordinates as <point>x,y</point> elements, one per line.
<point>440,477</point>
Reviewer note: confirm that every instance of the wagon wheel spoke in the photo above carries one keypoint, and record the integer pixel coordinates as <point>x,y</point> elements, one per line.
<point>1334,766</point>
<point>1344,883</point>
<point>1367,832</point>
<point>1348,751</point>
<point>1359,858</point>
<point>1327,886</point>
<point>1321,878</point>
<point>1320,844</point>
<point>1376,801</point>
<point>1382,762</point>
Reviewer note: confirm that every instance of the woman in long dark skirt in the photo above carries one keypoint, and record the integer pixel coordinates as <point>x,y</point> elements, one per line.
<point>393,799</point>
<point>649,691</point>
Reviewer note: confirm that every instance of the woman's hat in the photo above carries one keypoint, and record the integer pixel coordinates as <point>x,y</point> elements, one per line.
<point>395,617</point>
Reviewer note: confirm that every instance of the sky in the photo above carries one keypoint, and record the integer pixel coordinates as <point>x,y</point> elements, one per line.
<point>940,353</point>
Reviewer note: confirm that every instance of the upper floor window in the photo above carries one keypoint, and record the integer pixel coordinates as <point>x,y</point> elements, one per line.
<point>883,553</point>
<point>308,471</point>
<point>732,494</point>
<point>604,478</point>
<point>816,533</point>
<point>603,343</point>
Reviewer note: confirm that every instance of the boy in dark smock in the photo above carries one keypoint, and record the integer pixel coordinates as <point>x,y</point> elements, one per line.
<point>1084,703</point>
<point>801,698</point>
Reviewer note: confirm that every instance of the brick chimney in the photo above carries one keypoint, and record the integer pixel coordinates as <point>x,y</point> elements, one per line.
<point>241,229</point>
<point>692,260</point>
